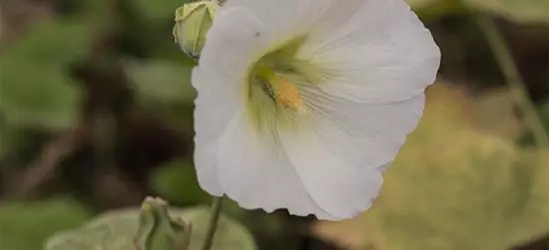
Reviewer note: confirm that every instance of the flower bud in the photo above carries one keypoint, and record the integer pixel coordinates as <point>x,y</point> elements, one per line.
<point>158,230</point>
<point>192,22</point>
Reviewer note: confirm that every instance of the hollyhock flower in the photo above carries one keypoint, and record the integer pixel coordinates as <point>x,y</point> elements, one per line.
<point>301,103</point>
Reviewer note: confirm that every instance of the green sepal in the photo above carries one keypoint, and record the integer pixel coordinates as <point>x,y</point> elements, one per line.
<point>158,231</point>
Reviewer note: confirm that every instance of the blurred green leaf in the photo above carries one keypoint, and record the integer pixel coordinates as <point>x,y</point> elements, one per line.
<point>419,4</point>
<point>56,42</point>
<point>42,97</point>
<point>433,9</point>
<point>26,225</point>
<point>37,89</point>
<point>453,187</point>
<point>531,11</point>
<point>161,82</point>
<point>12,140</point>
<point>229,235</point>
<point>543,113</point>
<point>116,230</point>
<point>457,188</point>
<point>3,137</point>
<point>533,174</point>
<point>159,10</point>
<point>177,182</point>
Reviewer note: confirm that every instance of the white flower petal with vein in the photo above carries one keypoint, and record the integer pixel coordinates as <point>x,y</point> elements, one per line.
<point>301,104</point>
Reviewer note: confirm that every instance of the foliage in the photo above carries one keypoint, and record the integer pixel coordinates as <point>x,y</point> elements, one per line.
<point>36,90</point>
<point>453,188</point>
<point>161,82</point>
<point>25,226</point>
<point>435,9</point>
<point>120,230</point>
<point>155,12</point>
<point>543,113</point>
<point>523,11</point>
<point>530,11</point>
<point>177,182</point>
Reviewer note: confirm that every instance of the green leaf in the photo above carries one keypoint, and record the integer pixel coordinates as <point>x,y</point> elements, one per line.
<point>161,82</point>
<point>12,140</point>
<point>55,42</point>
<point>229,235</point>
<point>177,182</point>
<point>117,230</point>
<point>543,113</point>
<point>453,187</point>
<point>529,11</point>
<point>26,225</point>
<point>44,97</point>
<point>163,89</point>
<point>433,9</point>
<point>159,10</point>
<point>3,138</point>
<point>419,4</point>
<point>37,89</point>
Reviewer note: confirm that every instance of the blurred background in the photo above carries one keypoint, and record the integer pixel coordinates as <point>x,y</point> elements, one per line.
<point>96,114</point>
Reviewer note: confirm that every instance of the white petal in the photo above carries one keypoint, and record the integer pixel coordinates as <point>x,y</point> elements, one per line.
<point>286,18</point>
<point>254,172</point>
<point>364,135</point>
<point>340,189</point>
<point>219,80</point>
<point>277,15</point>
<point>213,112</point>
<point>346,146</point>
<point>233,43</point>
<point>382,54</point>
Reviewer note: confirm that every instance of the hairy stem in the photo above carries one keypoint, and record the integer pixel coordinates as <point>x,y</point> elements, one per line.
<point>214,219</point>
<point>507,64</point>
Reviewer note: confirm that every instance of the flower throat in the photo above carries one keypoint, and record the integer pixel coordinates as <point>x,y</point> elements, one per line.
<point>271,73</point>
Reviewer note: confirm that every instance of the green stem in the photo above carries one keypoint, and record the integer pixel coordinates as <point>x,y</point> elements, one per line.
<point>507,64</point>
<point>214,219</point>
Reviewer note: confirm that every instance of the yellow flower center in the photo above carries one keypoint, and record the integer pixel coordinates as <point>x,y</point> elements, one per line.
<point>274,97</point>
<point>281,89</point>
<point>286,93</point>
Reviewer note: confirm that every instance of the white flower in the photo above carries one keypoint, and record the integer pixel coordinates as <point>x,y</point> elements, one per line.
<point>301,103</point>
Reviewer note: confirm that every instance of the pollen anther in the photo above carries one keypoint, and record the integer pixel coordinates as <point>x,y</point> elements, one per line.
<point>285,92</point>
